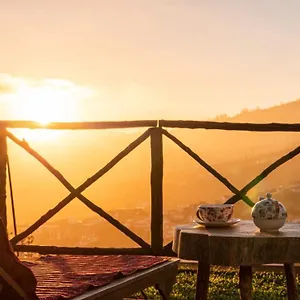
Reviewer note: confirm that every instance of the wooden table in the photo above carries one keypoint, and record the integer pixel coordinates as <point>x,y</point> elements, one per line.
<point>240,245</point>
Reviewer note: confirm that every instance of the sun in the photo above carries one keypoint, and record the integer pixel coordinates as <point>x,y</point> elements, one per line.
<point>45,102</point>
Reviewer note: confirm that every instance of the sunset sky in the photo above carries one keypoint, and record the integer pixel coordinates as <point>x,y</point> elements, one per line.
<point>137,59</point>
<point>93,60</point>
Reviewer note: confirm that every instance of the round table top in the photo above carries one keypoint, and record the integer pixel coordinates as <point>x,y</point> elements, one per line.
<point>236,245</point>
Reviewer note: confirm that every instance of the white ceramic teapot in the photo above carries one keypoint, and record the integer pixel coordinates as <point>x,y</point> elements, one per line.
<point>268,214</point>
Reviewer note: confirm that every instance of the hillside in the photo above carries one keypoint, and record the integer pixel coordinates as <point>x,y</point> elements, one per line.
<point>216,144</point>
<point>239,156</point>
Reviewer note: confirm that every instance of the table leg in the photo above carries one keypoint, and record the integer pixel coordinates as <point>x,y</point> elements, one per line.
<point>202,281</point>
<point>245,284</point>
<point>291,282</point>
<point>165,288</point>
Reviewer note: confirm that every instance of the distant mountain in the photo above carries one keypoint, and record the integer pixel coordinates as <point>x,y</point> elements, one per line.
<point>284,113</point>
<point>241,144</point>
<point>238,156</point>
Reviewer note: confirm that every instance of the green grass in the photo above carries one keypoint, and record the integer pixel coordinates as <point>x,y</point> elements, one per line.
<point>223,285</point>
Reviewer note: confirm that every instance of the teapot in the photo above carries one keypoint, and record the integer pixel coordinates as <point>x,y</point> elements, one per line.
<point>268,214</point>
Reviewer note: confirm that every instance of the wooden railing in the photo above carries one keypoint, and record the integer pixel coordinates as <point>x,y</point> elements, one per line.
<point>155,131</point>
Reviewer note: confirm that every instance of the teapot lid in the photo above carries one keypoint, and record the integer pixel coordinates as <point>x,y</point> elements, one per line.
<point>269,197</point>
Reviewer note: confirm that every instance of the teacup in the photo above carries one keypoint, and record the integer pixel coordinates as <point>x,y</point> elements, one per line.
<point>215,212</point>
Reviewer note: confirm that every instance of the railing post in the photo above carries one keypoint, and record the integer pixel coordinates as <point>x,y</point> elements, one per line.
<point>3,161</point>
<point>156,191</point>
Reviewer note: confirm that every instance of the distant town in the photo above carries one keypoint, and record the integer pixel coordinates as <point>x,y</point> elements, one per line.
<point>97,232</point>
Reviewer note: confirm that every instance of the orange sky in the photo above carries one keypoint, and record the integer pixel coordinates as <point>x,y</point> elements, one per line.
<point>68,60</point>
<point>155,59</point>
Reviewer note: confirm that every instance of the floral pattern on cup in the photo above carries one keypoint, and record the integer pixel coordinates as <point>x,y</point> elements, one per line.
<point>215,212</point>
<point>268,208</point>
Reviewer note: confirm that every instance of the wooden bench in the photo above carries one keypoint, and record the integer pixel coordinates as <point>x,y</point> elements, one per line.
<point>82,277</point>
<point>161,276</point>
<point>161,273</point>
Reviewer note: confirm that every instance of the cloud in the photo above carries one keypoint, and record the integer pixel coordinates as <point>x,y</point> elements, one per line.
<point>6,88</point>
<point>9,84</point>
<point>41,100</point>
<point>13,87</point>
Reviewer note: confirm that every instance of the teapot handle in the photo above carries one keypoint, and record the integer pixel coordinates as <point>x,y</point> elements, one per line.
<point>199,215</point>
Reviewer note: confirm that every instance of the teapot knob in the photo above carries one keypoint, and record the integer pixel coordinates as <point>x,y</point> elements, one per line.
<point>269,195</point>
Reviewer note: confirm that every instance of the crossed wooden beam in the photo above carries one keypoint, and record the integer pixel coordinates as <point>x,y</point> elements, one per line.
<point>77,192</point>
<point>238,194</point>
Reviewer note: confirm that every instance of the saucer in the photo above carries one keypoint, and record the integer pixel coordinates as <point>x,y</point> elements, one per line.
<point>218,224</point>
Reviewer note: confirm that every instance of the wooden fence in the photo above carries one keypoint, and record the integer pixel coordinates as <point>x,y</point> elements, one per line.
<point>156,129</point>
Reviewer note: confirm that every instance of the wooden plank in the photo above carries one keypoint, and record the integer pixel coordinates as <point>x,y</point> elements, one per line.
<point>263,127</point>
<point>136,282</point>
<point>80,250</point>
<point>231,126</point>
<point>80,189</point>
<point>291,283</point>
<point>78,125</point>
<point>156,191</point>
<point>3,161</point>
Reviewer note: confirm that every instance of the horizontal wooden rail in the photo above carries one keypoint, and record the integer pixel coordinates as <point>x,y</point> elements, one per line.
<point>189,124</point>
<point>231,126</point>
<point>80,250</point>
<point>79,125</point>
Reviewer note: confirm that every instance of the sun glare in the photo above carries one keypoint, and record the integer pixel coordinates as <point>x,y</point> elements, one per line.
<point>45,102</point>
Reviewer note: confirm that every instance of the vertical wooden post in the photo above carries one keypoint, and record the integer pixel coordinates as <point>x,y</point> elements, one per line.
<point>3,160</point>
<point>245,283</point>
<point>291,282</point>
<point>156,191</point>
